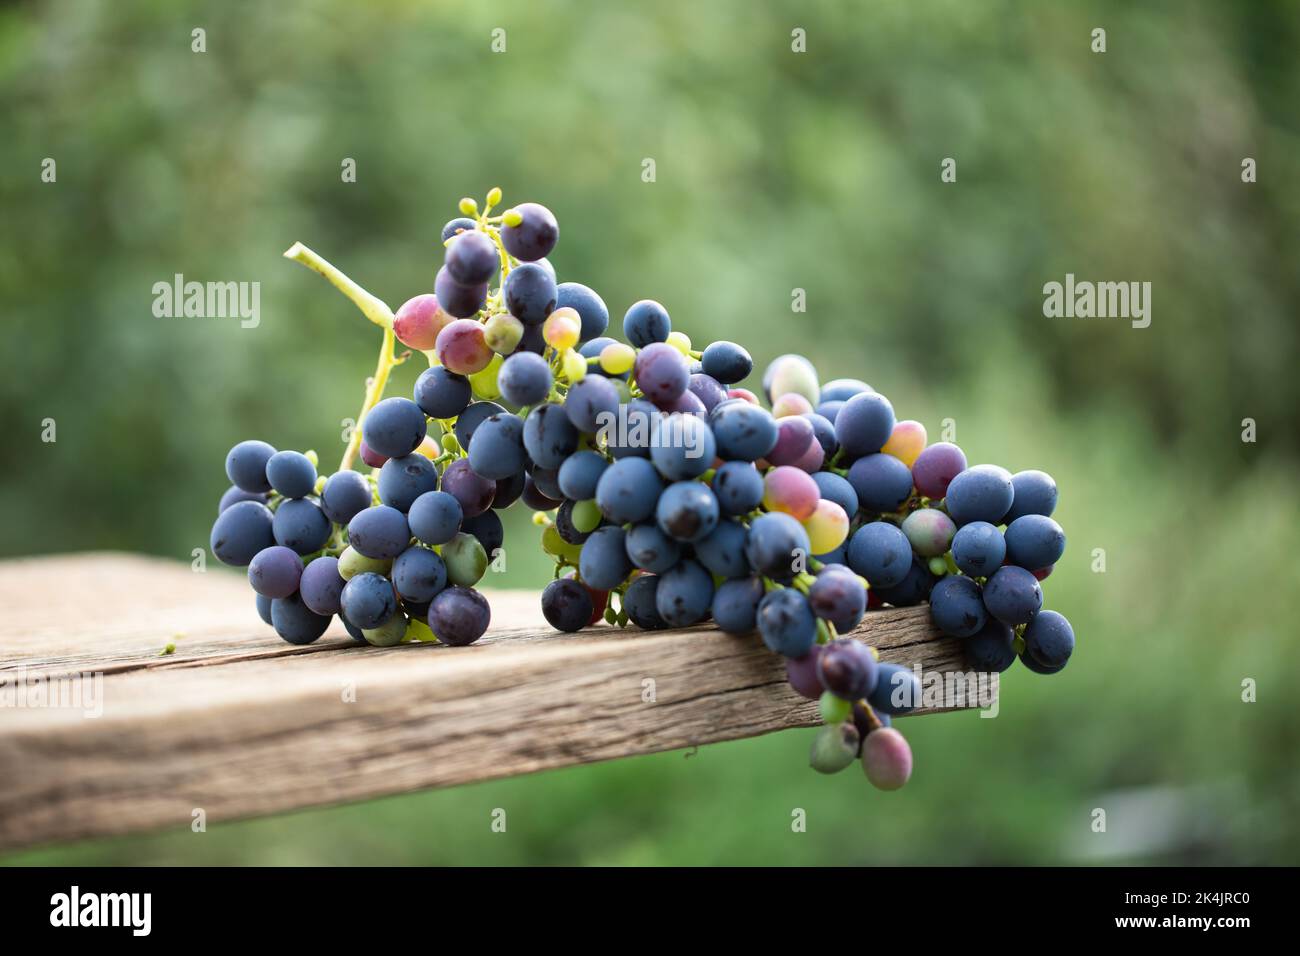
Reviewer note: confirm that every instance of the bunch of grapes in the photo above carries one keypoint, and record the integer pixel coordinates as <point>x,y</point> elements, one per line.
<point>667,494</point>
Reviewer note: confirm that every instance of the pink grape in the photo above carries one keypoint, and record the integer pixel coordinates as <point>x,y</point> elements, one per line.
<point>372,457</point>
<point>886,759</point>
<point>930,531</point>
<point>827,527</point>
<point>811,461</point>
<point>793,491</point>
<point>936,467</point>
<point>802,674</point>
<point>744,393</point>
<point>792,403</point>
<point>462,347</point>
<point>419,320</point>
<point>793,436</point>
<point>906,442</point>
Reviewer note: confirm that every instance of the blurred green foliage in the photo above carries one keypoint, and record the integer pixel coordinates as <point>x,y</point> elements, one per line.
<point>775,171</point>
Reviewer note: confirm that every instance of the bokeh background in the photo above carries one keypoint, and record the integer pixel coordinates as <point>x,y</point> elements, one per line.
<point>775,171</point>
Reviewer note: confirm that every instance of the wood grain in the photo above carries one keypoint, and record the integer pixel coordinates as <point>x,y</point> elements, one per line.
<point>238,723</point>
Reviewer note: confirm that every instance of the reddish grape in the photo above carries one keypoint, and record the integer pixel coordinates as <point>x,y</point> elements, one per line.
<point>419,320</point>
<point>936,467</point>
<point>462,347</point>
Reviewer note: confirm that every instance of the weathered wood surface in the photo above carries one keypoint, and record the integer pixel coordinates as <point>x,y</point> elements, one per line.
<point>238,723</point>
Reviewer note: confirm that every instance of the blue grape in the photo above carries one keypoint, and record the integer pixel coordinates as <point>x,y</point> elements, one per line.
<point>837,489</point>
<point>1038,667</point>
<point>381,532</point>
<point>472,258</point>
<point>864,424</point>
<point>242,530</point>
<point>264,609</point>
<point>441,393</point>
<point>981,493</point>
<point>549,436</point>
<point>824,432</point>
<point>235,494</point>
<point>588,400</point>
<point>524,379</point>
<point>468,487</point>
<point>548,481</point>
<point>568,531</point>
<point>1033,493</point>
<point>661,373</point>
<point>291,473</point>
<point>394,427</point>
<point>246,466</point>
<point>640,419</point>
<point>775,540</point>
<point>738,487</point>
<point>897,690</point>
<point>530,293</point>
<point>473,416</point>
<point>1013,595</point>
<point>978,549</point>
<point>301,525</point>
<point>685,594</point>
<point>882,482</point>
<point>881,553</point>
<point>628,490</point>
<point>722,551</point>
<point>496,450</point>
<point>567,605</point>
<point>353,631</point>
<point>321,586</point>
<point>590,307</point>
<point>537,499</point>
<point>534,340</point>
<point>837,596</point>
<point>603,562</point>
<point>1049,640</point>
<point>683,447</point>
<point>459,224</point>
<point>369,600</point>
<point>435,517</point>
<point>275,571</point>
<point>957,606</point>
<point>842,389</point>
<point>402,480</point>
<point>786,622</point>
<point>1034,541</point>
<point>735,605</point>
<point>847,668</point>
<point>487,528</point>
<point>508,491</point>
<point>459,616</point>
<point>419,574</point>
<point>650,549</point>
<point>580,474</point>
<point>744,432</point>
<point>295,622</point>
<point>830,411</point>
<point>458,300</point>
<point>535,235</point>
<point>346,494</point>
<point>646,322</point>
<point>639,602</point>
<point>913,589</point>
<point>707,389</point>
<point>992,649</point>
<point>727,362</point>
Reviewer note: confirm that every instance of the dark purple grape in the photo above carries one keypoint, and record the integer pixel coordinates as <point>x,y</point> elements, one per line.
<point>472,490</point>
<point>566,605</point>
<point>295,622</point>
<point>275,571</point>
<point>661,372</point>
<point>534,236</point>
<point>639,602</point>
<point>472,259</point>
<point>346,494</point>
<point>848,669</point>
<point>461,301</point>
<point>645,323</point>
<point>957,607</point>
<point>368,600</point>
<point>459,616</point>
<point>321,586</point>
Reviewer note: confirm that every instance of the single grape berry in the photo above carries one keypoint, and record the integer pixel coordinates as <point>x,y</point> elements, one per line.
<point>530,232</point>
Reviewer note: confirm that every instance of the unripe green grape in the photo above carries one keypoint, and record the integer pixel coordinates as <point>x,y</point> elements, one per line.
<point>552,543</point>
<point>586,516</point>
<point>834,748</point>
<point>417,630</point>
<point>465,559</point>
<point>388,634</point>
<point>484,382</point>
<point>503,332</point>
<point>938,567</point>
<point>929,531</point>
<point>834,710</point>
<point>574,366</point>
<point>617,358</point>
<point>681,342</point>
<point>352,563</point>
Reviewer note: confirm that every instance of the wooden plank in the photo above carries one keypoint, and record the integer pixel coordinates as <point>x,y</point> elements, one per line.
<point>237,723</point>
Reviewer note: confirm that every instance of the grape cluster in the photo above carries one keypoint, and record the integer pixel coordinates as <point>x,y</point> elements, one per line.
<point>667,494</point>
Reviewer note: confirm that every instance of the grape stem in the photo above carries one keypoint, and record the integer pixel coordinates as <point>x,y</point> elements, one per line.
<point>374,309</point>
